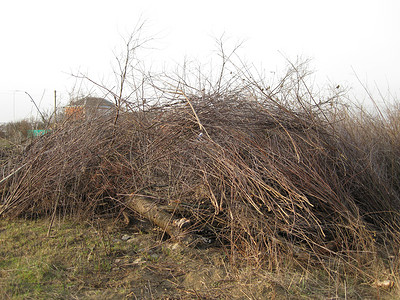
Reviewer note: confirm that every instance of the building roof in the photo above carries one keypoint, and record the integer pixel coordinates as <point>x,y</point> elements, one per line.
<point>93,102</point>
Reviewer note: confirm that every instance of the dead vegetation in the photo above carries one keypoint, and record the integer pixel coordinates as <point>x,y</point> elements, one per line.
<point>265,172</point>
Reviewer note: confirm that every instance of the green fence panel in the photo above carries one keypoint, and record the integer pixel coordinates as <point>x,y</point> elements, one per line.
<point>37,132</point>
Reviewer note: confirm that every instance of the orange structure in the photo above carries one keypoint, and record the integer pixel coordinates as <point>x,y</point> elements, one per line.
<point>75,112</point>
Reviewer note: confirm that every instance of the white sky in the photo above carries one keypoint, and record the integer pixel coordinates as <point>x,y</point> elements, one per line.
<point>43,42</point>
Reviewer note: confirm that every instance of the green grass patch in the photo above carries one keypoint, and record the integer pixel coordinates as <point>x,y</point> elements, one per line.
<point>75,257</point>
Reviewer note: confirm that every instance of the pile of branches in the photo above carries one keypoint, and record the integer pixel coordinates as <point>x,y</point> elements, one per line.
<point>247,172</point>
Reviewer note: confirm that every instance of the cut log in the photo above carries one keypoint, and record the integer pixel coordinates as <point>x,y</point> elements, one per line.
<point>146,207</point>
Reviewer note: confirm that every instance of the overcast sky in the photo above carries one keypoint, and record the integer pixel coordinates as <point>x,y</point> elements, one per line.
<point>43,42</point>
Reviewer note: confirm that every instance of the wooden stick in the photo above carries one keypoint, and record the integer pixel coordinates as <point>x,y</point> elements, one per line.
<point>12,173</point>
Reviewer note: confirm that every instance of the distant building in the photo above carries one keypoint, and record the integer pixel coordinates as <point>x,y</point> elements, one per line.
<point>88,107</point>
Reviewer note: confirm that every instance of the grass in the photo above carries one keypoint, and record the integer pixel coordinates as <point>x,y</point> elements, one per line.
<point>92,261</point>
<point>34,265</point>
